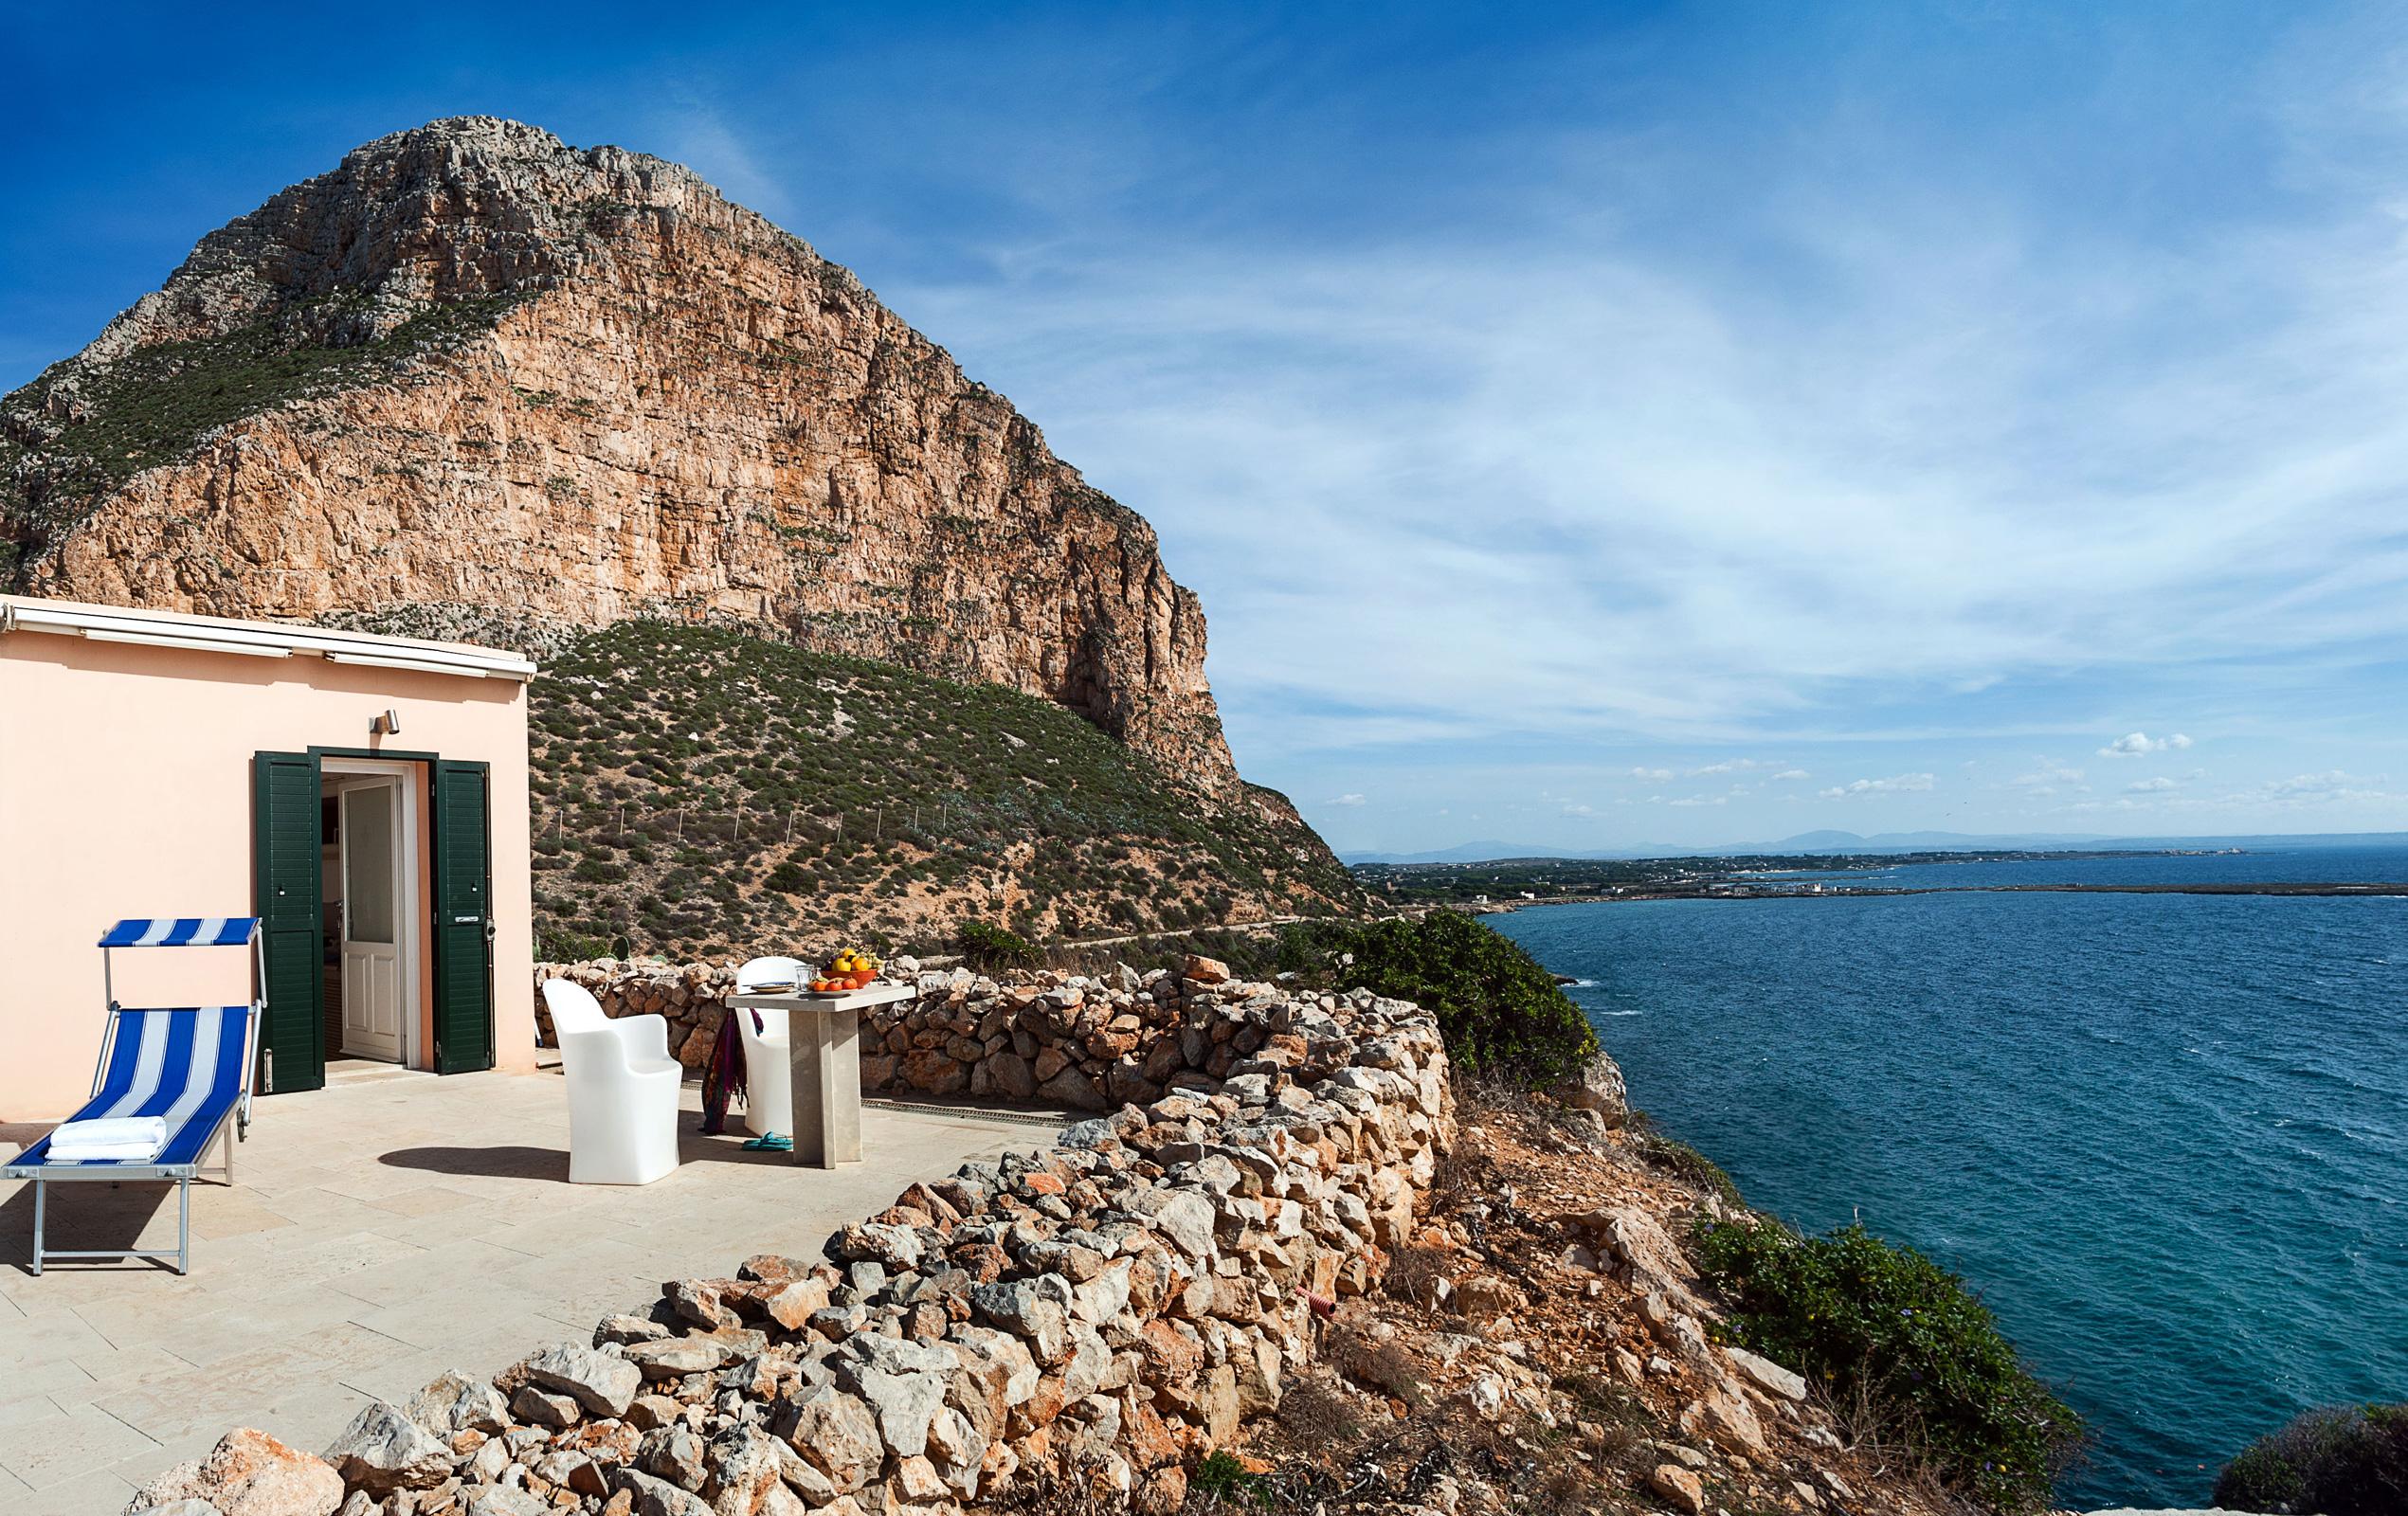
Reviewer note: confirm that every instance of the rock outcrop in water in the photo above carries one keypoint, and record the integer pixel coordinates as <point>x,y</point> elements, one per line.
<point>474,366</point>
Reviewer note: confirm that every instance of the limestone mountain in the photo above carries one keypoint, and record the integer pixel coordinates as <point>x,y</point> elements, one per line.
<point>476,377</point>
<point>473,365</point>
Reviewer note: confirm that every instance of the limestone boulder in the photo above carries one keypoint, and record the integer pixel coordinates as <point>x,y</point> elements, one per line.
<point>383,1449</point>
<point>603,1384</point>
<point>837,1434</point>
<point>1767,1375</point>
<point>1681,1489</point>
<point>249,1474</point>
<point>459,1402</point>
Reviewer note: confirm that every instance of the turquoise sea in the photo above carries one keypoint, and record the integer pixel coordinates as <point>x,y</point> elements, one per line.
<point>2166,1136</point>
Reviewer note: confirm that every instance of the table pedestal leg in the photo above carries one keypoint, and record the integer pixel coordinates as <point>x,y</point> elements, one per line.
<point>825,1051</point>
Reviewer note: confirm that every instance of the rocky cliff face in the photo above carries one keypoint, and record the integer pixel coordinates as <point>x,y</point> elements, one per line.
<point>476,367</point>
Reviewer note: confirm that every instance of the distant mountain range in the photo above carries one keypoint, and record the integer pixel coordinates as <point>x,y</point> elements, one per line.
<point>1834,842</point>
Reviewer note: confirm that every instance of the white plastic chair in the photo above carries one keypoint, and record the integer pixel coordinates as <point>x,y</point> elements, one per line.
<point>768,1088</point>
<point>622,1089</point>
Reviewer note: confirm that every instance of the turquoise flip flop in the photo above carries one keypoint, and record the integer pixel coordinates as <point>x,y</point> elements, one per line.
<point>770,1143</point>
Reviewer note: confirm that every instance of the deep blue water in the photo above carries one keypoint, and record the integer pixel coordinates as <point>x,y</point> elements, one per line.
<point>2166,1136</point>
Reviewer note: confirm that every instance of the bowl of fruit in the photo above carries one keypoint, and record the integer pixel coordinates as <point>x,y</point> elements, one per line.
<point>850,971</point>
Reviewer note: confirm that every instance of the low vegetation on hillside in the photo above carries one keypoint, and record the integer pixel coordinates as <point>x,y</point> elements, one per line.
<point>699,791</point>
<point>1500,1012</point>
<point>1885,1329</point>
<point>2338,1461</point>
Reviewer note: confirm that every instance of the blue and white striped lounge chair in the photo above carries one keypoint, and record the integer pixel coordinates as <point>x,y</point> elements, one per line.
<point>188,1066</point>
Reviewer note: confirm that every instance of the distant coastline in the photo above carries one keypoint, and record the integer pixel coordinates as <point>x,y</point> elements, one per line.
<point>1517,884</point>
<point>2275,886</point>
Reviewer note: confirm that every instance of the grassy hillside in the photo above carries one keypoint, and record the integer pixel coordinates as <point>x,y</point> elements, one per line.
<point>702,791</point>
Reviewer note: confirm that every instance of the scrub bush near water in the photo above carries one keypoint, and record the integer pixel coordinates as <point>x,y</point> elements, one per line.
<point>1498,1010</point>
<point>1884,1327</point>
<point>2339,1461</point>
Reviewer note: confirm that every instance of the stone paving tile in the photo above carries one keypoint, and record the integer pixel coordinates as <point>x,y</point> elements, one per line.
<point>431,1199</point>
<point>60,1448</point>
<point>369,1246</point>
<point>87,1494</point>
<point>235,1216</point>
<point>126,1368</point>
<point>39,1380</point>
<point>52,1337</point>
<point>429,1321</point>
<point>25,1412</point>
<point>413,1274</point>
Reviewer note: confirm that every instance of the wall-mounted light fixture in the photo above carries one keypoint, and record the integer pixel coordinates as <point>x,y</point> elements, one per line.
<point>388,725</point>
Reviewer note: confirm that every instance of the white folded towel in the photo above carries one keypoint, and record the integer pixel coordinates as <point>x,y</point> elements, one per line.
<point>110,1137</point>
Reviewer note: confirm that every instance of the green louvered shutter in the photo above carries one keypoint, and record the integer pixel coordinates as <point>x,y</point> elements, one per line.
<point>285,893</point>
<point>464,919</point>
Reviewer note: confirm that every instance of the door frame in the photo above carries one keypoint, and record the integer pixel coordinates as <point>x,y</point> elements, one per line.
<point>264,764</point>
<point>408,826</point>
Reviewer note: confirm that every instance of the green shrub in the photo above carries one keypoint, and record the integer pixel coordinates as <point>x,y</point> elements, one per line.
<point>992,947</point>
<point>1679,1159</point>
<point>1499,1011</point>
<point>1867,1319</point>
<point>2337,1460</point>
<point>560,944</point>
<point>787,879</point>
<point>1222,1475</point>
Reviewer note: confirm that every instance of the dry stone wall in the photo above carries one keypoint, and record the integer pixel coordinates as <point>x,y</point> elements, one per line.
<point>1115,1305</point>
<point>1085,1042</point>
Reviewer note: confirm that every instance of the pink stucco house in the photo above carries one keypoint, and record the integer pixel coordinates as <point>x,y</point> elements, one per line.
<point>365,796</point>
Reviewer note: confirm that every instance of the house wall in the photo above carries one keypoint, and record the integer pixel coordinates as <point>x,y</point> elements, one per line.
<point>125,790</point>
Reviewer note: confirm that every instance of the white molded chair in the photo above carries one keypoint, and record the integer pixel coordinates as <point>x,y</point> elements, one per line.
<point>622,1089</point>
<point>768,1088</point>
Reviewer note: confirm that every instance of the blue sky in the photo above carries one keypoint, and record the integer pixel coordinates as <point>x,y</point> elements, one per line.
<point>1589,426</point>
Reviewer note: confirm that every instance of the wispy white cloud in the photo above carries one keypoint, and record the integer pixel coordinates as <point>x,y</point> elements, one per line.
<point>1349,798</point>
<point>2149,786</point>
<point>2046,776</point>
<point>1895,785</point>
<point>2140,745</point>
<point>1600,480</point>
<point>687,127</point>
<point>2330,787</point>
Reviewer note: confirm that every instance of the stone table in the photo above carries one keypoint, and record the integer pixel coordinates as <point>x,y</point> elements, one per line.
<point>823,1052</point>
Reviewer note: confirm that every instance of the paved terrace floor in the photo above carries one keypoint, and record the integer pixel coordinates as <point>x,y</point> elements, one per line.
<point>379,1232</point>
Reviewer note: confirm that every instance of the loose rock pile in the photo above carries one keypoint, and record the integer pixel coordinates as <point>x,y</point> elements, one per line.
<point>1116,1306</point>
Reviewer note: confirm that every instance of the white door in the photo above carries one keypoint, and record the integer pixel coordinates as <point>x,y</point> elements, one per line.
<point>372,922</point>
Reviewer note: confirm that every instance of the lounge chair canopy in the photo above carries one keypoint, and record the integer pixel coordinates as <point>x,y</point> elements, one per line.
<point>182,931</point>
